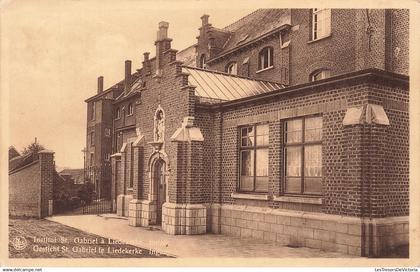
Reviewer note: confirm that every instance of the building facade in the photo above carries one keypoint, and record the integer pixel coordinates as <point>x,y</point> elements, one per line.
<point>289,125</point>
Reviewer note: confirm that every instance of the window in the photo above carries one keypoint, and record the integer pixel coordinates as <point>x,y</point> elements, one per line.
<point>265,58</point>
<point>92,138</point>
<point>131,181</point>
<point>107,157</point>
<point>117,113</point>
<point>202,63</point>
<point>320,74</point>
<point>92,162</point>
<point>303,156</point>
<point>254,159</point>
<point>92,111</point>
<point>232,68</point>
<point>321,23</point>
<point>130,109</point>
<point>107,132</point>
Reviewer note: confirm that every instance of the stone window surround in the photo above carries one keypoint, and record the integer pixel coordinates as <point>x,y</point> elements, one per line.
<point>282,198</point>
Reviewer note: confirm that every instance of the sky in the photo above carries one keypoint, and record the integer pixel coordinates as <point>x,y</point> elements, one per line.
<point>53,51</point>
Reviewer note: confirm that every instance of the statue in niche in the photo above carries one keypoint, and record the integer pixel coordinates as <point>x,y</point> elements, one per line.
<point>159,126</point>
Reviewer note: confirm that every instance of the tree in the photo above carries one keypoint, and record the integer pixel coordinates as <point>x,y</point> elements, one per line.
<point>34,147</point>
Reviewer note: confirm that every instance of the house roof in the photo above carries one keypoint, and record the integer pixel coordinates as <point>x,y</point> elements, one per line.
<point>21,161</point>
<point>76,174</point>
<point>255,25</point>
<point>13,152</point>
<point>224,87</point>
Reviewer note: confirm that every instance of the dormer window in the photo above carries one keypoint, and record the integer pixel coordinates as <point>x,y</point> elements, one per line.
<point>130,109</point>
<point>320,74</point>
<point>265,58</point>
<point>118,113</point>
<point>203,61</point>
<point>321,23</point>
<point>232,68</point>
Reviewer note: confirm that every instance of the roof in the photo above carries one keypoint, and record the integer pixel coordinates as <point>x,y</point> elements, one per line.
<point>76,174</point>
<point>13,152</point>
<point>187,56</point>
<point>135,86</point>
<point>21,161</point>
<point>255,25</point>
<point>224,87</point>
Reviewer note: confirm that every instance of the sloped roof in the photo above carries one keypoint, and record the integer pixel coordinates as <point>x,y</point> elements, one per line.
<point>76,174</point>
<point>21,161</point>
<point>135,86</point>
<point>187,56</point>
<point>225,87</point>
<point>13,152</point>
<point>255,25</point>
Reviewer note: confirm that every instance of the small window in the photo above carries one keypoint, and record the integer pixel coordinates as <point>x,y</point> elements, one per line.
<point>265,58</point>
<point>320,74</point>
<point>107,157</point>
<point>303,156</point>
<point>92,111</point>
<point>321,23</point>
<point>130,109</point>
<point>203,61</point>
<point>107,132</point>
<point>254,159</point>
<point>92,138</point>
<point>92,159</point>
<point>232,68</point>
<point>118,113</point>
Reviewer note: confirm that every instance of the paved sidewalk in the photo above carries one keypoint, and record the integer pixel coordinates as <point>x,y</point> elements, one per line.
<point>208,245</point>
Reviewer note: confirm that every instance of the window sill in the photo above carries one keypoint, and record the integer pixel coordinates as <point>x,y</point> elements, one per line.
<point>265,69</point>
<point>319,39</point>
<point>249,196</point>
<point>299,199</point>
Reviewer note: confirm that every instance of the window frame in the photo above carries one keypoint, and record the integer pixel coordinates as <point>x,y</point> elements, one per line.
<point>130,109</point>
<point>254,148</point>
<point>92,111</point>
<point>230,67</point>
<point>302,145</point>
<point>117,113</point>
<point>315,13</point>
<point>270,58</point>
<point>326,74</point>
<point>92,138</point>
<point>202,61</point>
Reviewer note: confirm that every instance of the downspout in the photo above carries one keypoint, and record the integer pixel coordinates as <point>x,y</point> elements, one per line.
<point>220,170</point>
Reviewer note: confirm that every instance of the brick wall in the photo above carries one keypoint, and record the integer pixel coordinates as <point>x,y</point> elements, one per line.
<point>31,187</point>
<point>24,191</point>
<point>360,161</point>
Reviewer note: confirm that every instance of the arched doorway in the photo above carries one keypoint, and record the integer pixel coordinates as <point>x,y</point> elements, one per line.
<point>159,183</point>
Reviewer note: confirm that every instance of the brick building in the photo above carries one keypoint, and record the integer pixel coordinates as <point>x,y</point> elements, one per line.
<point>289,125</point>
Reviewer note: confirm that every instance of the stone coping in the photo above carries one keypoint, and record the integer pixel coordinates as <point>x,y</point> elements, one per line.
<point>249,196</point>
<point>299,199</point>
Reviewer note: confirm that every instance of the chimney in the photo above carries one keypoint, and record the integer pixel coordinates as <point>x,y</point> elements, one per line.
<point>146,63</point>
<point>162,43</point>
<point>127,77</point>
<point>205,20</point>
<point>100,84</point>
<point>163,31</point>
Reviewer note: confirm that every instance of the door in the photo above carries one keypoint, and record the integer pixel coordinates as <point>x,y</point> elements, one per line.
<point>160,186</point>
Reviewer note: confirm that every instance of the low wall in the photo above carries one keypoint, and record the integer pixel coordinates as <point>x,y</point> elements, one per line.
<point>349,235</point>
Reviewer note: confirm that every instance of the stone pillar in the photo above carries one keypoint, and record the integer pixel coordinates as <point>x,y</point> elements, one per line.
<point>115,179</point>
<point>47,168</point>
<point>189,216</point>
